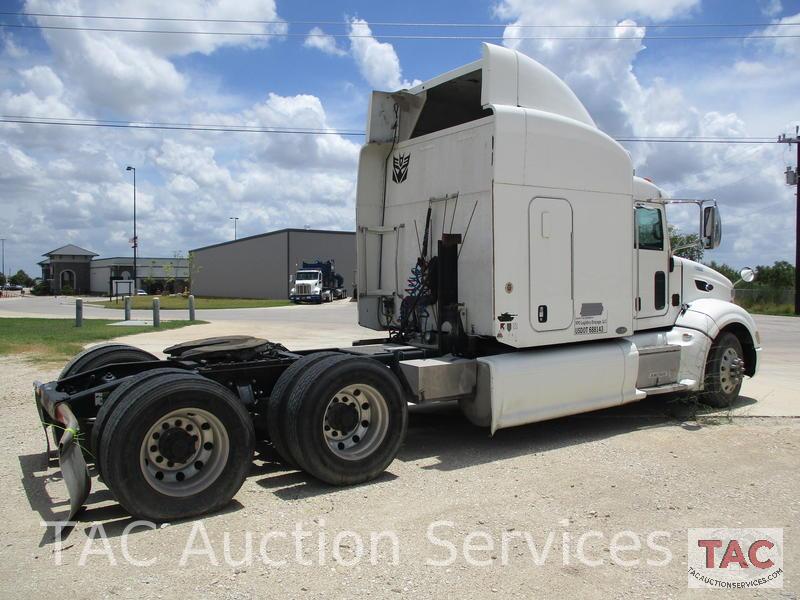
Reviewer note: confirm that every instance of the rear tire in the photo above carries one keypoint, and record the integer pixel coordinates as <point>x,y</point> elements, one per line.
<point>111,403</point>
<point>199,430</point>
<point>346,419</point>
<point>279,398</point>
<point>724,371</point>
<point>102,355</point>
<point>94,358</point>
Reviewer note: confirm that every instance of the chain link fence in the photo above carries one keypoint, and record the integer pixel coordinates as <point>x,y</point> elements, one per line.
<point>764,296</point>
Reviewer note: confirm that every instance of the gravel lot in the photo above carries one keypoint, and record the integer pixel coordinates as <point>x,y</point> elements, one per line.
<point>636,468</point>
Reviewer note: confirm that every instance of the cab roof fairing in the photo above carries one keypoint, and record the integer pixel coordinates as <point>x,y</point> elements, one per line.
<point>511,78</point>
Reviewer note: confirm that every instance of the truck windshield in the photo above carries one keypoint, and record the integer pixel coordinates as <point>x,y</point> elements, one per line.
<point>307,275</point>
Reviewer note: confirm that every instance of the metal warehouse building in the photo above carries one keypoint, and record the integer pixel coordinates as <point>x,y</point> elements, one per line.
<point>260,266</point>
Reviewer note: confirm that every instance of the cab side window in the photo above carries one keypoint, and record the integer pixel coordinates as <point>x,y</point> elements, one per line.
<point>650,229</point>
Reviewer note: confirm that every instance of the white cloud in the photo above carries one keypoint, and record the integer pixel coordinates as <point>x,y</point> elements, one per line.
<point>377,61</point>
<point>42,81</point>
<point>787,46</point>
<point>323,41</point>
<point>10,47</point>
<point>584,12</point>
<point>131,72</point>
<point>770,8</point>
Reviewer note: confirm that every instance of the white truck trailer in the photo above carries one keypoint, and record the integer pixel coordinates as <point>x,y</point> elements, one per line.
<point>512,261</point>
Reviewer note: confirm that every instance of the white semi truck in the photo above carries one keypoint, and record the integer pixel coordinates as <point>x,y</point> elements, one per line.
<point>317,282</point>
<point>512,262</point>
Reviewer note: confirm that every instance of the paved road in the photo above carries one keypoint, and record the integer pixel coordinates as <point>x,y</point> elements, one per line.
<point>776,386</point>
<point>52,307</point>
<point>61,307</point>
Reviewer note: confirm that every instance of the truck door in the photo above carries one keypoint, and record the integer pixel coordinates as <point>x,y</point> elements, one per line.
<point>550,247</point>
<point>652,255</point>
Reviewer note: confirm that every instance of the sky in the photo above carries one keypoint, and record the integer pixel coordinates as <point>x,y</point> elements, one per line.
<point>69,184</point>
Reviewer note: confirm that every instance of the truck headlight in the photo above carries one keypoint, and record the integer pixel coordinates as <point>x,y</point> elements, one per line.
<point>293,291</point>
<point>316,289</point>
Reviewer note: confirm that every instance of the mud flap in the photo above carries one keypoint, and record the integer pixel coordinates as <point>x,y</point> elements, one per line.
<point>73,468</point>
<point>70,458</point>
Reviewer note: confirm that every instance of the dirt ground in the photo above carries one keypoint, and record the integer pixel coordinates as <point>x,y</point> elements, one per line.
<point>448,519</point>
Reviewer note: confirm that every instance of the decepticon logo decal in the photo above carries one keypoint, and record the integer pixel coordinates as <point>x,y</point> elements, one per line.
<point>400,170</point>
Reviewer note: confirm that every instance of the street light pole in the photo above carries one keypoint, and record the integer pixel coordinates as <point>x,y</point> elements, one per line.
<point>784,139</point>
<point>135,238</point>
<point>234,219</point>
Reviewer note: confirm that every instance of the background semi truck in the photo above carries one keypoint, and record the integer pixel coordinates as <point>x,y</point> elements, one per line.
<point>511,261</point>
<point>317,281</point>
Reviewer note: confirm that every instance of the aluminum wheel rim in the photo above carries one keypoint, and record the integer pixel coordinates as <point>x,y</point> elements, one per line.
<point>731,367</point>
<point>371,422</point>
<point>202,465</point>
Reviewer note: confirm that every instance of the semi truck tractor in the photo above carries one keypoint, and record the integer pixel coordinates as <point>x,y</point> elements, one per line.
<point>511,262</point>
<point>318,282</point>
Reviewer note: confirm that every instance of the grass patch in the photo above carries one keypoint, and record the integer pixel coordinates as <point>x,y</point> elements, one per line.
<point>59,339</point>
<point>764,308</point>
<point>181,303</point>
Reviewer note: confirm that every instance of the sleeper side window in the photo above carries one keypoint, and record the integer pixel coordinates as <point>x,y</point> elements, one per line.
<point>650,229</point>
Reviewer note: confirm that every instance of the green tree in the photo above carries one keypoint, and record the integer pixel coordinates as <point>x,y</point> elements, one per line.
<point>2,279</point>
<point>779,275</point>
<point>685,245</point>
<point>21,278</point>
<point>193,268</point>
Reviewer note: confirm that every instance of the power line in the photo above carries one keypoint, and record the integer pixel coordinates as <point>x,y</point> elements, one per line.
<point>67,121</point>
<point>388,23</point>
<point>182,127</point>
<point>155,124</point>
<point>399,36</point>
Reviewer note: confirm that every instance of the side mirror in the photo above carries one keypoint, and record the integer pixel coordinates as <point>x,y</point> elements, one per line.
<point>712,228</point>
<point>747,274</point>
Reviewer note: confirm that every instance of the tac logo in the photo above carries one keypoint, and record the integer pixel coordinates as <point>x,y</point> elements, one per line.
<point>400,167</point>
<point>735,558</point>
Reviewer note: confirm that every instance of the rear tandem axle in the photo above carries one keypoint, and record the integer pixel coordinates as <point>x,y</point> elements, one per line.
<point>175,438</point>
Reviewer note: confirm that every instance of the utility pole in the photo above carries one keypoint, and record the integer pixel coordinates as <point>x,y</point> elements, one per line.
<point>234,219</point>
<point>3,268</point>
<point>794,178</point>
